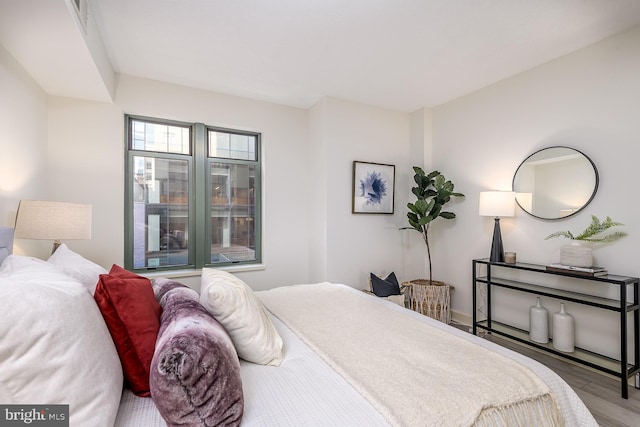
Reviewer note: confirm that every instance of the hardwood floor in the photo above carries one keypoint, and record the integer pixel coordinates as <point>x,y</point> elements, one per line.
<point>600,392</point>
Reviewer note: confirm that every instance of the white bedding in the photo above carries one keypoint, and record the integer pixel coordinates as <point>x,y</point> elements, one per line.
<point>573,409</point>
<point>399,364</point>
<point>304,390</point>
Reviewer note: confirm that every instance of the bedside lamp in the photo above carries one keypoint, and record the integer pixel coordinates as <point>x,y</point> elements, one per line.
<point>42,220</point>
<point>497,204</point>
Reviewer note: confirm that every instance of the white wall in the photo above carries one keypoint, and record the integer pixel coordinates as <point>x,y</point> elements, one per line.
<point>588,100</point>
<point>317,211</point>
<point>421,138</point>
<point>308,158</point>
<point>86,157</point>
<point>23,121</point>
<point>310,233</point>
<point>86,141</point>
<point>358,244</point>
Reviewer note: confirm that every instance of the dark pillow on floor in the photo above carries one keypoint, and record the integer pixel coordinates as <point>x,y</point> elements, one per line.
<point>385,287</point>
<point>195,371</point>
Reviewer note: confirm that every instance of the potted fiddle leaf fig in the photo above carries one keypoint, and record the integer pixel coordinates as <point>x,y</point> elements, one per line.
<point>579,256</point>
<point>433,191</point>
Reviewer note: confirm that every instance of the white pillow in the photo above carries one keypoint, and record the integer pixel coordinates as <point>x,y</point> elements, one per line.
<point>55,346</point>
<point>25,269</point>
<point>76,266</point>
<point>232,303</point>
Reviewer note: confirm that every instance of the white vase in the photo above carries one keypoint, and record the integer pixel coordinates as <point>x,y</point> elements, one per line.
<point>576,255</point>
<point>538,323</point>
<point>563,331</point>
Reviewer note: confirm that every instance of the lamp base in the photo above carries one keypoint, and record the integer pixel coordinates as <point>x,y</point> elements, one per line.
<point>497,251</point>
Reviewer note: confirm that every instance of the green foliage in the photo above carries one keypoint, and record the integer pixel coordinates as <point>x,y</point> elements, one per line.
<point>593,231</point>
<point>432,192</point>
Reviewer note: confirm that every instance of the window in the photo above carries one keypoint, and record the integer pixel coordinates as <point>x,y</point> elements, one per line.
<point>192,195</point>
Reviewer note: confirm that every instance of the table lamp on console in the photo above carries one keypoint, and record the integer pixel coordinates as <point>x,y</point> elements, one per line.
<point>497,204</point>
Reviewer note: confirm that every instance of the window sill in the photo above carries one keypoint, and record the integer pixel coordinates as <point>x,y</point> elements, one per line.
<point>174,274</point>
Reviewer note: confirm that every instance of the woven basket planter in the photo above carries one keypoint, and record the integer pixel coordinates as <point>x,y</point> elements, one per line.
<point>432,299</point>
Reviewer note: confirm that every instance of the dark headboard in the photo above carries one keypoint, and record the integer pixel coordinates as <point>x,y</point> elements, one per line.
<point>6,242</point>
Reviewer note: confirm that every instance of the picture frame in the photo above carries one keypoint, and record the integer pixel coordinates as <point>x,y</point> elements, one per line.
<point>373,188</point>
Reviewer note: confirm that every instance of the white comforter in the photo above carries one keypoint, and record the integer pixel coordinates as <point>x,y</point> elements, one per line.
<point>305,390</point>
<point>302,391</point>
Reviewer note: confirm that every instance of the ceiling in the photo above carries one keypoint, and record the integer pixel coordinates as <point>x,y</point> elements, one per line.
<point>398,54</point>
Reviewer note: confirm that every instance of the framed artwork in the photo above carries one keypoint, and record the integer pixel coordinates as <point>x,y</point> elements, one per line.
<point>373,188</point>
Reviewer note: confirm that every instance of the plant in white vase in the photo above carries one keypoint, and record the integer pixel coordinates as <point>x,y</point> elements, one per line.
<point>579,256</point>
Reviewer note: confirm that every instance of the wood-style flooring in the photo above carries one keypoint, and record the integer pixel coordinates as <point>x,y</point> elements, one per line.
<point>600,392</point>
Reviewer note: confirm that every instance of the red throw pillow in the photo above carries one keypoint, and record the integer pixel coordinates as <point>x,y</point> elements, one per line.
<point>132,315</point>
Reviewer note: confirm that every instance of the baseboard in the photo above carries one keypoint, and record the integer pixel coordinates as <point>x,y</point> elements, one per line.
<point>460,317</point>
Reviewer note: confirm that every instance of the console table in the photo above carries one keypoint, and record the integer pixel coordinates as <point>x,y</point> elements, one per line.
<point>623,369</point>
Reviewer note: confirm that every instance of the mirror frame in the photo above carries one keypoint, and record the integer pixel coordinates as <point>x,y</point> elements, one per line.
<point>595,187</point>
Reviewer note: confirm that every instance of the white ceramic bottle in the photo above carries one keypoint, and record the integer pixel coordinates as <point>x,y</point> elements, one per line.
<point>563,331</point>
<point>538,323</point>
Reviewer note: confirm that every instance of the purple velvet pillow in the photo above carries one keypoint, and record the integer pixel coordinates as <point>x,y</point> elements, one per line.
<point>195,371</point>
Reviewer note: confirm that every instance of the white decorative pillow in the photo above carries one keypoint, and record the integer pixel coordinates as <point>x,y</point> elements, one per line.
<point>232,303</point>
<point>76,266</point>
<point>55,346</point>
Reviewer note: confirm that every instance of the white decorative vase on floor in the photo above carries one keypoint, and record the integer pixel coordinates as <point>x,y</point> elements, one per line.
<point>576,255</point>
<point>538,323</point>
<point>563,331</point>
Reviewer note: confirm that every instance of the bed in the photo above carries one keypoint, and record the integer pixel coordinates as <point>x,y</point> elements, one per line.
<point>346,358</point>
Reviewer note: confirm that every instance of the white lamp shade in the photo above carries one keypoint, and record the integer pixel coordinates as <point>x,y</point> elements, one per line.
<point>497,203</point>
<point>42,220</point>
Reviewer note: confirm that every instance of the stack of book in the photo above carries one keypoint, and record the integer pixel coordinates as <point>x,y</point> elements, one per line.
<point>578,271</point>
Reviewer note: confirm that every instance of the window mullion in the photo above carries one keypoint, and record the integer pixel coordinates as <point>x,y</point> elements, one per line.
<point>202,207</point>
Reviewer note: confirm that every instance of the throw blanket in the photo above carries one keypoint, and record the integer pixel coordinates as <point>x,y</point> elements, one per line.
<point>411,372</point>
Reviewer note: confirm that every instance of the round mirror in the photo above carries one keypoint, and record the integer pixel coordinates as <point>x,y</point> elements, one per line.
<point>555,182</point>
